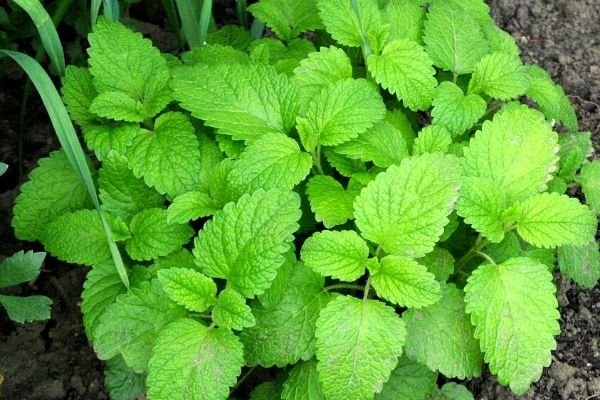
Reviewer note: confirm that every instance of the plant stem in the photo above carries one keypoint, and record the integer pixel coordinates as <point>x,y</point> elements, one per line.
<point>242,379</point>
<point>367,288</point>
<point>480,243</point>
<point>343,286</point>
<point>316,156</point>
<point>366,48</point>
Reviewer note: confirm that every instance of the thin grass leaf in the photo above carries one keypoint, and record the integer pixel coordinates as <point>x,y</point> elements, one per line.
<point>3,168</point>
<point>205,19</point>
<point>257,29</point>
<point>173,19</point>
<point>110,10</point>
<point>47,31</point>
<point>240,6</point>
<point>68,139</point>
<point>189,12</point>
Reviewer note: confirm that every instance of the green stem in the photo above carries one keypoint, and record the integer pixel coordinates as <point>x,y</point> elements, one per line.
<point>343,286</point>
<point>242,379</point>
<point>487,257</point>
<point>474,251</point>
<point>316,156</point>
<point>367,288</point>
<point>366,48</point>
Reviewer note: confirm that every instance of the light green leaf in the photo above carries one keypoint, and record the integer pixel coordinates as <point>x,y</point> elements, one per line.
<point>331,203</point>
<point>78,92</point>
<point>271,161</point>
<point>20,267</point>
<point>410,380</point>
<point>441,337</point>
<point>339,254</point>
<point>478,9</point>
<point>453,38</point>
<point>405,70</point>
<point>339,113</point>
<point>500,40</point>
<point>404,282</point>
<point>26,309</point>
<point>358,345</point>
<point>190,206</point>
<point>589,179</point>
<point>118,106</point>
<point>581,264</point>
<point>303,383</point>
<point>232,312</point>
<point>192,362</point>
<point>153,236</point>
<point>130,325</point>
<point>242,101</point>
<point>514,309</point>
<point>181,258</point>
<point>188,288</point>
<point>121,193</point>
<point>439,262</point>
<point>382,144</point>
<point>501,76</point>
<point>349,25</point>
<point>412,16</point>
<point>516,150</point>
<point>345,166</point>
<point>231,35</point>
<point>405,208</point>
<point>212,54</point>
<point>244,243</point>
<point>454,391</point>
<point>455,111</point>
<point>120,380</point>
<point>104,138</point>
<point>285,327</point>
<point>168,158</point>
<point>122,62</point>
<point>550,219</point>
<point>287,18</point>
<point>574,149</point>
<point>53,189</point>
<point>432,138</point>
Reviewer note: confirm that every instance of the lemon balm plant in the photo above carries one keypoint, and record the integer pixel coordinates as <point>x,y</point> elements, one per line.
<point>366,214</point>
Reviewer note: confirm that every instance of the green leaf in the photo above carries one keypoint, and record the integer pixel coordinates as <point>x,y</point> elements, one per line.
<point>432,138</point>
<point>581,264</point>
<point>215,54</point>
<point>328,65</point>
<point>232,312</point>
<point>192,361</point>
<point>78,92</point>
<point>118,106</point>
<point>339,113</point>
<point>124,64</point>
<point>285,326</point>
<point>453,39</point>
<point>410,380</point>
<point>181,258</point>
<point>271,161</point>
<point>339,254</point>
<point>382,144</point>
<point>404,282</point>
<point>242,101</point>
<point>53,189</point>
<point>388,213</point>
<point>478,9</point>
<point>153,236</point>
<point>101,287</point>
<point>303,383</point>
<point>550,219</point>
<point>455,111</point>
<point>120,380</point>
<point>287,18</point>
<point>130,325</point>
<point>350,22</point>
<point>266,391</point>
<point>501,76</point>
<point>26,309</point>
<point>331,203</point>
<point>190,206</point>
<point>514,309</point>
<point>168,158</point>
<point>439,262</point>
<point>500,40</point>
<point>104,138</point>
<point>516,150</point>
<point>405,70</point>
<point>412,16</point>
<point>20,267</point>
<point>454,391</point>
<point>589,179</point>
<point>122,194</point>
<point>188,288</point>
<point>350,365</point>
<point>574,149</point>
<point>231,35</point>
<point>441,336</point>
<point>245,241</point>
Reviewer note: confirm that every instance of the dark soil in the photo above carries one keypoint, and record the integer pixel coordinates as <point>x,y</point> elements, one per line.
<point>52,359</point>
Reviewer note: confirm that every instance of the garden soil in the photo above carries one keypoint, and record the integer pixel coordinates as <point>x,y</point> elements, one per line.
<point>52,359</point>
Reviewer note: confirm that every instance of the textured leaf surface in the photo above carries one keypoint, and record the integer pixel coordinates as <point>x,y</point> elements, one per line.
<point>285,326</point>
<point>441,336</point>
<point>517,150</point>
<point>405,208</point>
<point>103,138</point>
<point>339,254</point>
<point>432,138</point>
<point>453,39</point>
<point>581,264</point>
<point>118,106</point>
<point>514,309</point>
<point>410,380</point>
<point>343,23</point>
<point>190,206</point>
<point>245,241</point>
<point>575,148</point>
<point>26,309</point>
<point>550,219</point>
<point>303,383</point>
<point>120,380</point>
<point>131,324</point>
<point>169,157</point>
<point>405,282</point>
<point>439,262</point>
<point>358,345</point>
<point>188,288</point>
<point>405,70</point>
<point>331,203</point>
<point>232,312</point>
<point>454,391</point>
<point>153,236</point>
<point>287,18</point>
<point>501,76</point>
<point>191,361</point>
<point>53,189</point>
<point>340,112</point>
<point>455,111</point>
<point>20,267</point>
<point>78,92</point>
<point>412,16</point>
<point>242,101</point>
<point>589,179</point>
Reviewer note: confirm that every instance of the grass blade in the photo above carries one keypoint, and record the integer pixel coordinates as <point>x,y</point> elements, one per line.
<point>3,168</point>
<point>205,19</point>
<point>240,7</point>
<point>47,31</point>
<point>257,29</point>
<point>110,10</point>
<point>189,14</point>
<point>173,19</point>
<point>68,139</point>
